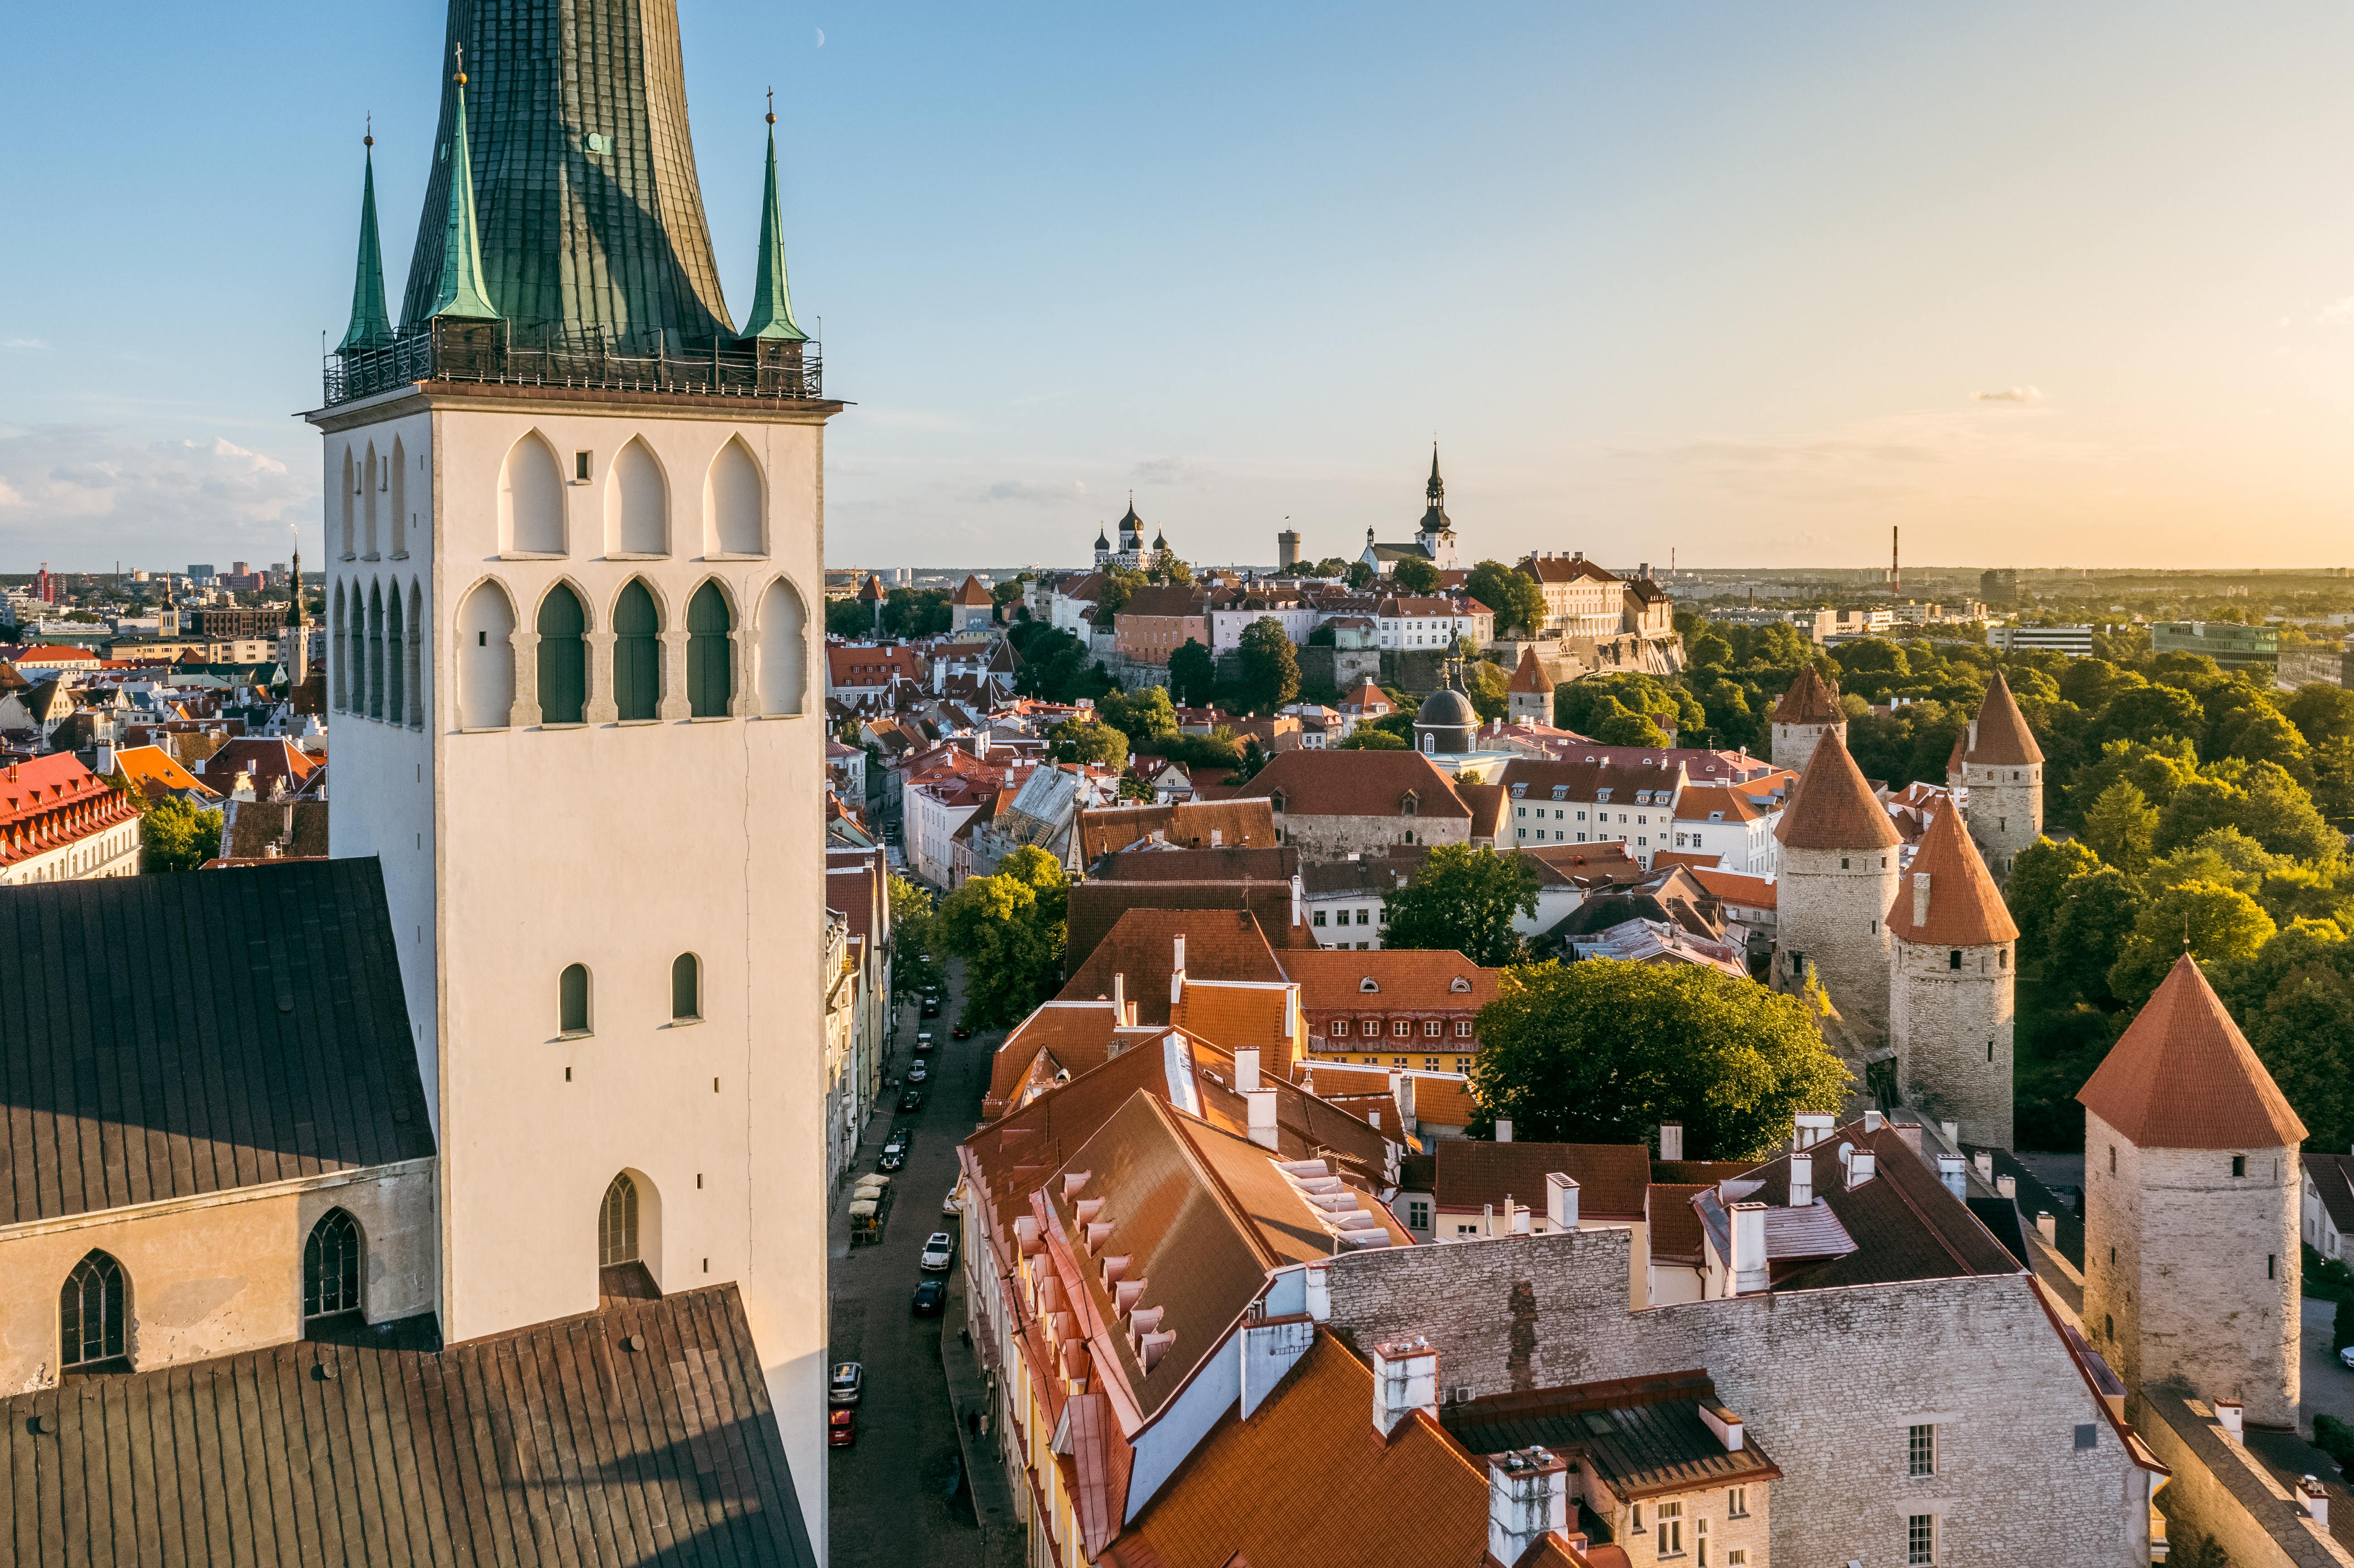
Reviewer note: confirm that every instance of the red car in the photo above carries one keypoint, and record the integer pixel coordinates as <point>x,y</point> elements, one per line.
<point>841,1429</point>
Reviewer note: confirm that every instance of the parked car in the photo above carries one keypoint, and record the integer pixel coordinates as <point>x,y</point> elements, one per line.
<point>930,1297</point>
<point>939,1253</point>
<point>924,1042</point>
<point>913,1100</point>
<point>893,1157</point>
<point>848,1385</point>
<point>954,1202</point>
<point>960,1032</point>
<point>2346,1357</point>
<point>932,1008</point>
<point>841,1429</point>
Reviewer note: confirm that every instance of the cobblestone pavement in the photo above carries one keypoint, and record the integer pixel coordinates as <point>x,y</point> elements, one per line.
<point>889,1497</point>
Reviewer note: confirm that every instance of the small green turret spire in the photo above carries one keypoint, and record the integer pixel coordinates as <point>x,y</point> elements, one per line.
<point>773,302</point>
<point>371,327</point>
<point>461,296</point>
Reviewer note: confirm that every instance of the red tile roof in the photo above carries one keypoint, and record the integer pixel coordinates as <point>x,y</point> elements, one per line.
<point>1529,677</point>
<point>1833,808</point>
<point>1220,944</point>
<point>1407,979</point>
<point>1965,910</point>
<point>2003,738</point>
<point>971,594</point>
<point>1060,1037</point>
<point>1734,888</point>
<point>1486,802</point>
<point>1810,700</point>
<point>1563,569</point>
<point>2183,1077</point>
<point>1357,784</point>
<point>1472,1173</point>
<point>1718,803</point>
<point>1192,824</point>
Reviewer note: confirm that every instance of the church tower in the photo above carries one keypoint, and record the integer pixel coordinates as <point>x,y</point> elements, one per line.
<point>1838,877</point>
<point>1998,763</point>
<point>1808,711</point>
<point>2191,1197</point>
<point>574,531</point>
<point>1952,985</point>
<point>1437,533</point>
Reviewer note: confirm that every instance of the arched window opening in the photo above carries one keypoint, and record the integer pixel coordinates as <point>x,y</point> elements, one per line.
<point>486,678</point>
<point>531,500</point>
<point>637,504</point>
<point>350,496</point>
<point>784,649</point>
<point>399,468</point>
<point>340,656</point>
<point>710,681</point>
<point>733,503</point>
<point>371,486</point>
<point>636,652</point>
<point>616,1223</point>
<point>572,1000</point>
<point>396,662</point>
<point>563,657</point>
<point>416,656</point>
<point>375,668</point>
<point>332,1261</point>
<point>687,988</point>
<point>92,1312</point>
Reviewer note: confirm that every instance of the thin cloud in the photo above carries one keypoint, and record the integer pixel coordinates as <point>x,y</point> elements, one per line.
<point>2009,394</point>
<point>2338,313</point>
<point>24,345</point>
<point>1034,490</point>
<point>1171,471</point>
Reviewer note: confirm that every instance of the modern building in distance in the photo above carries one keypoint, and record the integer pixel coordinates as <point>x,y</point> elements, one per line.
<point>2074,640</point>
<point>2229,644</point>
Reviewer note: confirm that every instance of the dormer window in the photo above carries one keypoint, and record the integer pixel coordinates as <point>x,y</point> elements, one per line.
<point>1458,984</point>
<point>1519,790</point>
<point>1409,804</point>
<point>1602,795</point>
<point>1369,984</point>
<point>1275,800</point>
<point>1561,791</point>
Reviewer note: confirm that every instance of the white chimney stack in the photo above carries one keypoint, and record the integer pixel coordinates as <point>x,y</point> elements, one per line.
<point>2230,1413</point>
<point>1725,1423</point>
<point>1406,1379</point>
<point>1953,1131</point>
<point>1749,1272</point>
<point>1247,1069</point>
<point>1118,999</point>
<point>2316,1498</point>
<point>1177,975</point>
<point>2006,1187</point>
<point>1859,1168</point>
<point>1671,1140</point>
<point>2047,1227</point>
<point>1985,1162</point>
<point>1262,1117</point>
<point>1874,1121</point>
<point>1813,1126</point>
<point>1528,1497</point>
<point>1802,1181</point>
<point>1561,1201</point>
<point>1974,734</point>
<point>1516,1217</point>
<point>1503,1130</point>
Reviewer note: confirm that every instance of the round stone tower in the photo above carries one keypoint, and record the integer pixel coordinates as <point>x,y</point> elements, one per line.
<point>2192,1195</point>
<point>1528,698</point>
<point>1952,985</point>
<point>1808,711</point>
<point>1998,763</point>
<point>1836,879</point>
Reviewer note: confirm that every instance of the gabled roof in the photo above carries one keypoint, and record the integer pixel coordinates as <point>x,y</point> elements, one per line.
<point>1058,1038</point>
<point>1965,910</point>
<point>1488,807</point>
<point>1097,906</point>
<point>2003,738</point>
<point>1735,889</point>
<point>1472,1173</point>
<point>1531,779</point>
<point>1833,807</point>
<point>1718,803</point>
<point>1220,944</point>
<point>1565,569</point>
<point>1192,824</point>
<point>1405,980</point>
<point>2183,1077</point>
<point>1529,675</point>
<point>1368,697</point>
<point>1356,784</point>
<point>1810,700</point>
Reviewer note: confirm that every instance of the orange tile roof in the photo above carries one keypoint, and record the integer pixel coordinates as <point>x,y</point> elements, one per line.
<point>2183,1077</point>
<point>1330,1078</point>
<point>1444,1101</point>
<point>1561,569</point>
<point>1220,944</point>
<point>1529,676</point>
<point>1244,1017</point>
<point>1076,1035</point>
<point>1733,887</point>
<point>1833,808</point>
<point>2003,738</point>
<point>1810,700</point>
<point>1964,910</point>
<point>1708,803</point>
<point>1687,859</point>
<point>1408,980</point>
<point>151,770</point>
<point>1486,803</point>
<point>1346,1498</point>
<point>1237,824</point>
<point>1357,784</point>
<point>970,593</point>
<point>1367,697</point>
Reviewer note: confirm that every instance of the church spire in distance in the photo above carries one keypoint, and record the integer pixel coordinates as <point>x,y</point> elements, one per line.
<point>772,302</point>
<point>460,296</point>
<point>371,327</point>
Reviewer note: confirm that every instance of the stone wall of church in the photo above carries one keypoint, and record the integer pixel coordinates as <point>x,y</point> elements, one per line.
<point>1827,1383</point>
<point>2202,1283</point>
<point>1951,1028</point>
<point>2005,812</point>
<point>217,1275</point>
<point>1829,909</point>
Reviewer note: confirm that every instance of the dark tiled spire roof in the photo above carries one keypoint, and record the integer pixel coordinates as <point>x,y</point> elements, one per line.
<point>370,326</point>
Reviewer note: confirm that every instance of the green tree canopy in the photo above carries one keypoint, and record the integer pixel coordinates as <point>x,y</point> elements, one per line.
<point>176,836</point>
<point>1414,575</point>
<point>1464,898</point>
<point>1603,1052</point>
<point>2120,825</point>
<point>1009,928</point>
<point>2039,879</point>
<point>1087,739</point>
<point>1270,669</point>
<point>2321,713</point>
<point>1141,715</point>
<point>2096,917</point>
<point>2221,925</point>
<point>915,959</point>
<point>1367,737</point>
<point>1513,594</point>
<point>1488,687</point>
<point>1192,676</point>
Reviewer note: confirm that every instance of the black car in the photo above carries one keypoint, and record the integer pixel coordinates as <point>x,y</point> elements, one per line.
<point>930,1297</point>
<point>923,1042</point>
<point>913,1100</point>
<point>932,1008</point>
<point>959,1032</point>
<point>893,1157</point>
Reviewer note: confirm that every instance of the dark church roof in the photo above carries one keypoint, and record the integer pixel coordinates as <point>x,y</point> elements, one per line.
<point>639,1434</point>
<point>250,1028</point>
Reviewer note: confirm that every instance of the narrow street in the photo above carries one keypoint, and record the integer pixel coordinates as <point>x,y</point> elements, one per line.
<point>896,1497</point>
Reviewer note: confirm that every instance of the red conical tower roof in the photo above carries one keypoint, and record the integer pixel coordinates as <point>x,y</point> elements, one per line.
<point>1965,908</point>
<point>2004,739</point>
<point>2183,1077</point>
<point>1530,676</point>
<point>1833,807</point>
<point>1810,700</point>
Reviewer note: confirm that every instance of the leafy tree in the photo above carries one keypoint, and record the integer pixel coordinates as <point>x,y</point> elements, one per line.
<point>2200,807</point>
<point>2333,778</point>
<point>1367,737</point>
<point>2090,683</point>
<point>2145,712</point>
<point>2158,771</point>
<point>1009,928</point>
<point>915,959</point>
<point>1488,687</point>
<point>1325,636</point>
<point>1583,705</point>
<point>2281,816</point>
<point>176,836</point>
<point>1141,715</point>
<point>1192,676</point>
<point>2266,736</point>
<point>2120,825</point>
<point>2322,713</point>
<point>1174,572</point>
<point>915,612</point>
<point>1254,757</point>
<point>1118,583</point>
<point>2039,879</point>
<point>1513,594</point>
<point>851,617</point>
<point>1464,898</point>
<point>2096,917</point>
<point>1709,651</point>
<point>1624,728</point>
<point>1330,567</point>
<point>1414,575</point>
<point>1084,739</point>
<point>1603,1052</point>
<point>1270,669</point>
<point>2295,1004</point>
<point>2221,923</point>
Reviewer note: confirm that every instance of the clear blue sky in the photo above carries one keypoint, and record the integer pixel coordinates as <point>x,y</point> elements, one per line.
<point>1732,279</point>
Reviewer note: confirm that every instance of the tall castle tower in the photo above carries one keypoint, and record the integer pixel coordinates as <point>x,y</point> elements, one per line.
<point>1808,711</point>
<point>2191,1192</point>
<point>2000,763</point>
<point>1528,698</point>
<point>1952,985</point>
<point>574,529</point>
<point>1838,877</point>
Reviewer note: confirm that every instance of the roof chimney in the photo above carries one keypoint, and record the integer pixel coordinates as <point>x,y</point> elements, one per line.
<point>1406,1379</point>
<point>1974,738</point>
<point>1725,1423</point>
<point>1802,1181</point>
<point>2006,1187</point>
<point>1813,1126</point>
<point>1503,1130</point>
<point>2229,1413</point>
<point>1246,1070</point>
<point>1177,973</point>
<point>2316,1498</point>
<point>1748,1268</point>
<point>1561,1201</point>
<point>1262,1117</point>
<point>1920,898</point>
<point>1950,1171</point>
<point>1984,1161</point>
<point>1873,1120</point>
<point>2047,1227</point>
<point>1671,1140</point>
<point>1859,1168</point>
<point>1118,999</point>
<point>1528,1497</point>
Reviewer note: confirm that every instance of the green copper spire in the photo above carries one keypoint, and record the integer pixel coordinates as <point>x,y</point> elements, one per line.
<point>772,302</point>
<point>460,296</point>
<point>371,327</point>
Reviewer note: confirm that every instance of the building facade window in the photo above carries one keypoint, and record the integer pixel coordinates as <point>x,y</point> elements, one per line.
<point>1736,1502</point>
<point>1418,1213</point>
<point>331,1260</point>
<point>572,1000</point>
<point>92,1311</point>
<point>1921,1539</point>
<point>687,988</point>
<point>710,675</point>
<point>1669,1528</point>
<point>375,675</point>
<point>616,1223</point>
<point>1921,1451</point>
<point>636,652</point>
<point>563,657</point>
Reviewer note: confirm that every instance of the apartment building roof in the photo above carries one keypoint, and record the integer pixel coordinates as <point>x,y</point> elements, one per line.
<point>1220,944</point>
<point>1389,980</point>
<point>1643,1437</point>
<point>1189,825</point>
<point>1058,1041</point>
<point>1096,907</point>
<point>1357,784</point>
<point>1535,778</point>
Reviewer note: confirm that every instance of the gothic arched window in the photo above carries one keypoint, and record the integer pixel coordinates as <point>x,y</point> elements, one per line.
<point>92,1309</point>
<point>685,989</point>
<point>636,652</point>
<point>375,671</point>
<point>563,657</point>
<point>616,1223</point>
<point>710,675</point>
<point>396,661</point>
<point>340,634</point>
<point>331,1265</point>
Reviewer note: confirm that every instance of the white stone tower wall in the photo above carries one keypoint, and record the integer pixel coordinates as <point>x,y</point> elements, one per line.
<point>1830,905</point>
<point>1794,744</point>
<point>1952,1033</point>
<point>2005,812</point>
<point>1529,707</point>
<point>2203,1281</point>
